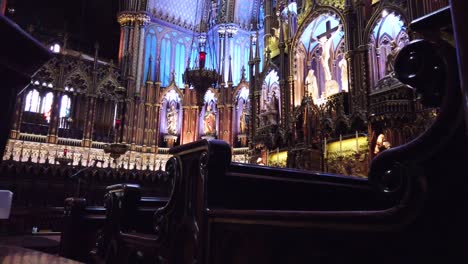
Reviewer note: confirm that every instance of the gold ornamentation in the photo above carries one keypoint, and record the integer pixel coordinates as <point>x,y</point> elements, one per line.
<point>336,3</point>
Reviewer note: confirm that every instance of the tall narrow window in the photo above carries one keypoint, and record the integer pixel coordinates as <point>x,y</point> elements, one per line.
<point>150,51</point>
<point>246,61</point>
<point>165,60</point>
<point>194,56</point>
<point>65,106</point>
<point>33,101</point>
<point>236,67</point>
<point>179,62</point>
<point>46,107</point>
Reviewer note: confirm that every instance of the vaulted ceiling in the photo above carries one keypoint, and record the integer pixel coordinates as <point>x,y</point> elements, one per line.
<point>192,12</point>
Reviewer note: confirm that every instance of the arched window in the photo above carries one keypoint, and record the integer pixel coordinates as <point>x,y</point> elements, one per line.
<point>165,63</point>
<point>236,67</point>
<point>387,37</point>
<point>150,51</point>
<point>46,106</point>
<point>55,48</point>
<point>242,110</point>
<point>33,101</point>
<point>246,61</point>
<point>194,56</point>
<point>179,62</point>
<point>65,106</point>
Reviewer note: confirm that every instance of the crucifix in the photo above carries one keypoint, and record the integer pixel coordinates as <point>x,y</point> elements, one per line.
<point>325,40</point>
<point>329,31</point>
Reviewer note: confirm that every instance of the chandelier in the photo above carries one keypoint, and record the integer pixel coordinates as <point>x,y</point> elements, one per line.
<point>199,77</point>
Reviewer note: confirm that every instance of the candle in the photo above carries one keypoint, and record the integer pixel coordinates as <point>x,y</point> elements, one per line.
<point>357,142</point>
<point>341,150</point>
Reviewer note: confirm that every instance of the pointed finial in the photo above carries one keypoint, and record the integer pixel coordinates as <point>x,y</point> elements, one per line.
<point>158,71</point>
<point>96,52</point>
<point>243,73</point>
<point>230,70</point>
<point>172,77</point>
<point>281,31</point>
<point>257,48</point>
<point>149,76</point>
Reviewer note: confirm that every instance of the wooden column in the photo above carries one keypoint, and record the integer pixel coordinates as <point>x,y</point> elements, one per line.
<point>17,116</point>
<point>89,120</point>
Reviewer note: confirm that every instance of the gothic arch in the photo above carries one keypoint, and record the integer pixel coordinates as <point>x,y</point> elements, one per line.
<point>300,67</point>
<point>241,85</point>
<point>377,15</point>
<point>77,80</point>
<point>312,14</point>
<point>168,89</point>
<point>108,85</point>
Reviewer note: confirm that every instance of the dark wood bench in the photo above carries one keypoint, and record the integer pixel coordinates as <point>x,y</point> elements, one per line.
<point>85,225</point>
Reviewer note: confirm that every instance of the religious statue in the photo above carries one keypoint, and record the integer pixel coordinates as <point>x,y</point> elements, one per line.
<point>243,120</point>
<point>171,119</point>
<point>381,144</point>
<point>343,64</point>
<point>272,110</point>
<point>311,84</point>
<point>209,121</point>
<point>389,64</point>
<point>326,44</point>
<point>264,97</point>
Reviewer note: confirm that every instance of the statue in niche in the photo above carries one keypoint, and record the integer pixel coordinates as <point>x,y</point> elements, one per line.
<point>209,121</point>
<point>243,120</point>
<point>272,110</point>
<point>171,118</point>
<point>381,144</point>
<point>326,44</point>
<point>389,64</point>
<point>264,97</point>
<point>311,84</point>
<point>343,64</point>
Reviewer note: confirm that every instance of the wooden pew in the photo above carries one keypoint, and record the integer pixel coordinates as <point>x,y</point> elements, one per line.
<point>85,225</point>
<point>412,209</point>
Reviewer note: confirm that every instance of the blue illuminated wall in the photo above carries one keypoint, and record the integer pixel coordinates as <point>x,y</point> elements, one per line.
<point>175,47</point>
<point>150,51</point>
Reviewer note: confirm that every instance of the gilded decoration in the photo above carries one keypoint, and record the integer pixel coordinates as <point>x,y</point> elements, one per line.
<point>126,19</point>
<point>335,3</point>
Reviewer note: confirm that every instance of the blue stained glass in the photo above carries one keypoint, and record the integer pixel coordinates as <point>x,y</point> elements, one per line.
<point>165,61</point>
<point>179,63</point>
<point>237,64</point>
<point>150,50</point>
<point>246,62</point>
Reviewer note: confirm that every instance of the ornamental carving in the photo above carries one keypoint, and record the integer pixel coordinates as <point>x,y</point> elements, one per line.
<point>335,3</point>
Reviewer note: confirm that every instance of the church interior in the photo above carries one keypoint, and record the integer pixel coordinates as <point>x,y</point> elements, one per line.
<point>299,106</point>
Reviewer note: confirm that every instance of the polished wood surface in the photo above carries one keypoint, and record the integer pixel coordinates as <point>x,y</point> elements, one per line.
<point>19,255</point>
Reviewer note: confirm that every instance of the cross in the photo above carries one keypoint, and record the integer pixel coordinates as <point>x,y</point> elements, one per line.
<point>328,31</point>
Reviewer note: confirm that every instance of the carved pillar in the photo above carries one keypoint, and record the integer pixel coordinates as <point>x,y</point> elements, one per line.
<point>89,120</point>
<point>359,79</point>
<point>134,121</point>
<point>147,126</point>
<point>18,116</point>
<point>285,104</point>
<point>268,22</point>
<point>253,105</point>
<point>157,107</point>
<point>139,45</point>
